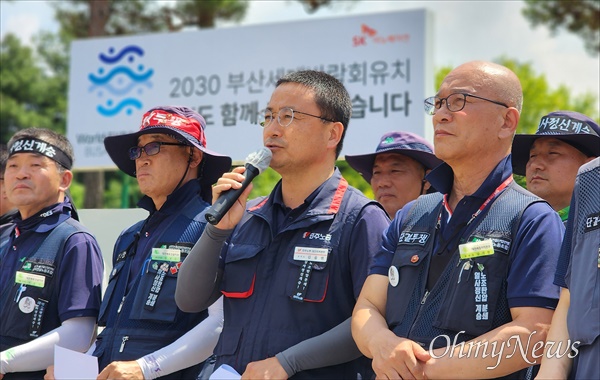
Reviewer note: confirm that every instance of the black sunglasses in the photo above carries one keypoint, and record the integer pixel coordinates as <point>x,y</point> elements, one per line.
<point>151,149</point>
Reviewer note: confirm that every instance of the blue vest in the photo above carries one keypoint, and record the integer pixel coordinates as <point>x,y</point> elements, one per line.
<point>270,302</point>
<point>583,319</point>
<point>29,311</point>
<point>469,298</point>
<point>147,318</point>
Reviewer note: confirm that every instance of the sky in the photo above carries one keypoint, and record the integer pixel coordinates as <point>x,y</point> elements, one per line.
<point>462,31</point>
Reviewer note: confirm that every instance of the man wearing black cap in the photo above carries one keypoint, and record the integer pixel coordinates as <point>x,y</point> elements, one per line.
<point>145,333</point>
<point>397,169</point>
<point>51,267</point>
<point>550,158</point>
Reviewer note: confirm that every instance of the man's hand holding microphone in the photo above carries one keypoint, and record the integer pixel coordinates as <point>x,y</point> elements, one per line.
<point>231,191</point>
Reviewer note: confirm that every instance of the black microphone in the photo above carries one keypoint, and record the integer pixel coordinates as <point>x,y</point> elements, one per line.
<point>256,163</point>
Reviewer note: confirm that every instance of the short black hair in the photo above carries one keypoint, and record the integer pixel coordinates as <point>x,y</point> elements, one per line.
<point>331,96</point>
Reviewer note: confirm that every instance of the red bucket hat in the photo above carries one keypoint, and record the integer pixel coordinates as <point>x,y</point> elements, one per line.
<point>183,124</point>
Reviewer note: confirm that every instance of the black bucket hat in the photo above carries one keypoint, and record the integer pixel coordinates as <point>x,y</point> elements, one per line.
<point>571,127</point>
<point>185,125</point>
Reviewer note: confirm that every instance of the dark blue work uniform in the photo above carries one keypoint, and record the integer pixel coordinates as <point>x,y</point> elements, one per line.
<point>433,292</point>
<point>578,270</point>
<point>65,281</point>
<point>290,275</point>
<point>138,308</point>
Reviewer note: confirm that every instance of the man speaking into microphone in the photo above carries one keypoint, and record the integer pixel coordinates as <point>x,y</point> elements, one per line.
<point>290,265</point>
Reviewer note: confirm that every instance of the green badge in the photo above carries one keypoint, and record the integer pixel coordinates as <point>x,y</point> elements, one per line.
<point>30,279</point>
<point>27,266</point>
<point>166,254</point>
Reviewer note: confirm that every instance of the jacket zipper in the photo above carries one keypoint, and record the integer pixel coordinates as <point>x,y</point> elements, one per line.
<point>123,341</point>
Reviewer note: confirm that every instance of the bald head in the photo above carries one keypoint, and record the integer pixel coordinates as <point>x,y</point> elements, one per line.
<point>496,80</point>
<point>483,129</point>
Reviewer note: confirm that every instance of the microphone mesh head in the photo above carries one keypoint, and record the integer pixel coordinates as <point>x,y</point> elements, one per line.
<point>260,159</point>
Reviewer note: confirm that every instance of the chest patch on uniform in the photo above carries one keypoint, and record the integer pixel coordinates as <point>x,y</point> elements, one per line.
<point>413,238</point>
<point>311,254</point>
<point>45,269</point>
<point>592,222</point>
<point>501,244</point>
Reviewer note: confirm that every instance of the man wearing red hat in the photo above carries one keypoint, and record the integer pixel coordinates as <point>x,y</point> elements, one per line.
<point>397,169</point>
<point>550,158</point>
<point>144,331</point>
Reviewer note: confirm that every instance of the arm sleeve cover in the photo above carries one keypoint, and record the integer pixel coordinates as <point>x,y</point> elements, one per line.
<point>335,346</point>
<point>192,348</point>
<point>75,334</point>
<point>198,279</point>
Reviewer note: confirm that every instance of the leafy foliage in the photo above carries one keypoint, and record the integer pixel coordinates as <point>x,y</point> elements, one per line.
<point>581,17</point>
<point>29,96</point>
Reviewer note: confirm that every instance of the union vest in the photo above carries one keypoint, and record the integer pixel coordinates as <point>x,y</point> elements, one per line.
<point>147,318</point>
<point>266,277</point>
<point>29,311</point>
<point>469,298</point>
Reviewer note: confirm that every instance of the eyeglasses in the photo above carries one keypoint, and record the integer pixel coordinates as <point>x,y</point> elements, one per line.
<point>285,116</point>
<point>454,102</point>
<point>151,149</point>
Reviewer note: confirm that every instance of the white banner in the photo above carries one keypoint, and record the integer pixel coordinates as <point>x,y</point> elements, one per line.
<point>228,75</point>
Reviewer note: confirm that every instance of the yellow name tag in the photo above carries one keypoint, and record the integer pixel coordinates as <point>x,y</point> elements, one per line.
<point>166,254</point>
<point>30,279</point>
<point>476,249</point>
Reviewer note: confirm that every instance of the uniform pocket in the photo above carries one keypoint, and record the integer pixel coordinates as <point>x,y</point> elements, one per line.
<point>155,296</point>
<point>308,280</point>
<point>474,296</point>
<point>240,270</point>
<point>404,272</point>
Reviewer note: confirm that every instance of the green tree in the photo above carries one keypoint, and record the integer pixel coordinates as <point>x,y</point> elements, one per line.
<point>29,95</point>
<point>581,17</point>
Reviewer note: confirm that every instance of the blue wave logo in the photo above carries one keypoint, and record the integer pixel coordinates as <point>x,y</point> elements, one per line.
<point>120,81</point>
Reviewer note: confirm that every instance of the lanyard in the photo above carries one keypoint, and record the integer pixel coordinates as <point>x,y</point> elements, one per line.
<point>499,189</point>
<point>459,229</point>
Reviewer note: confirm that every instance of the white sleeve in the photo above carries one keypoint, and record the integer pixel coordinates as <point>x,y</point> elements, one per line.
<point>192,348</point>
<point>75,334</point>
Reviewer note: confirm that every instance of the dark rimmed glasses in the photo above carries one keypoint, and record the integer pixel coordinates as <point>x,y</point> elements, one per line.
<point>151,149</point>
<point>454,102</point>
<point>285,116</point>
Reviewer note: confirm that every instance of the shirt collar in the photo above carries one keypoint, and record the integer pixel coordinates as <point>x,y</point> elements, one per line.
<point>442,177</point>
<point>45,219</point>
<point>175,200</point>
